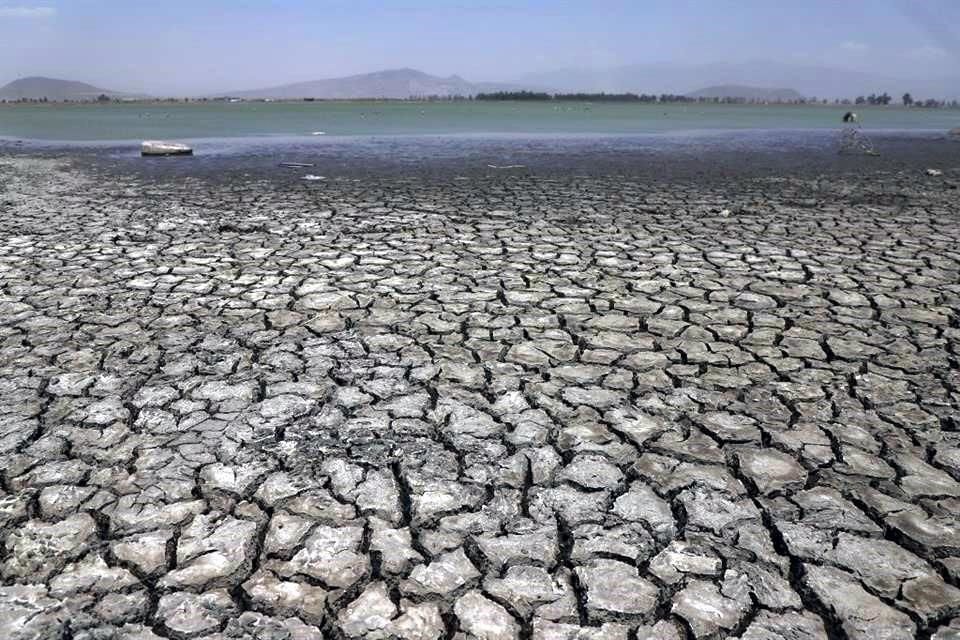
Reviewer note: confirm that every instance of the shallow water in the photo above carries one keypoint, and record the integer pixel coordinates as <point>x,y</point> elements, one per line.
<point>120,122</point>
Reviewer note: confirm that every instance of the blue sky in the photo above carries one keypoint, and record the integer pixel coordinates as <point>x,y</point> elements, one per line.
<point>184,46</point>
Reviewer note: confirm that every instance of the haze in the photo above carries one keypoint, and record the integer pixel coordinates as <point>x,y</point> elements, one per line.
<point>185,47</point>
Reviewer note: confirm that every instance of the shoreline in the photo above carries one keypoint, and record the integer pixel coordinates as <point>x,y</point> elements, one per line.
<point>666,157</point>
<point>266,139</point>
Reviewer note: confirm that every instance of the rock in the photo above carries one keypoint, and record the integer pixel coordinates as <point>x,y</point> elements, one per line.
<point>285,533</point>
<point>442,577</point>
<point>680,558</point>
<point>418,622</point>
<point>930,597</point>
<point>36,550</point>
<point>147,552</point>
<point>950,631</point>
<point>286,407</point>
<point>624,541</point>
<point>706,610</point>
<point>369,615</point>
<point>536,547</point>
<point>713,511</point>
<point>771,470</point>
<point>662,630</point>
<point>548,630</point>
<point>378,494</point>
<point>256,626</point>
<point>27,613</point>
<point>484,619</point>
<point>615,589</point>
<point>592,472</point>
<point>526,588</point>
<point>330,554</point>
<point>789,625</point>
<point>213,551</point>
<point>188,615</point>
<point>768,587</point>
<point>273,596</point>
<point>642,504</point>
<point>91,576</point>
<point>880,564</point>
<point>862,615</point>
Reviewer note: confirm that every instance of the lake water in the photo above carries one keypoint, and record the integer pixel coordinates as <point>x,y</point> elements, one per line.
<point>122,122</point>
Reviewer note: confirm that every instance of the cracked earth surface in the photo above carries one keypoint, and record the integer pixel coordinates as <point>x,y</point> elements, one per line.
<point>562,409</point>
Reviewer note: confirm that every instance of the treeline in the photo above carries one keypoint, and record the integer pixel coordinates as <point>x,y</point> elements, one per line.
<point>642,98</point>
<point>882,99</point>
<point>513,95</point>
<point>582,97</point>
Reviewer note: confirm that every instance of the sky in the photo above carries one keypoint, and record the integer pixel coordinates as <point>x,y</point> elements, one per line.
<point>182,47</point>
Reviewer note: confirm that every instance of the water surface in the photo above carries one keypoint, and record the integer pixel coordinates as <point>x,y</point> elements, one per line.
<point>123,122</point>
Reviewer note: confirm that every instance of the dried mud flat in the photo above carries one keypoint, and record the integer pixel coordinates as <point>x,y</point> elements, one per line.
<point>511,408</point>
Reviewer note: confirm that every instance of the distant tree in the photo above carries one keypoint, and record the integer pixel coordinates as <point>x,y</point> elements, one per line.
<point>598,97</point>
<point>103,98</point>
<point>860,100</point>
<point>907,99</point>
<point>513,95</point>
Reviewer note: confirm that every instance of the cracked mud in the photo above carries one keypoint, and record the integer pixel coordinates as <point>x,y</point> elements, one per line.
<point>501,409</point>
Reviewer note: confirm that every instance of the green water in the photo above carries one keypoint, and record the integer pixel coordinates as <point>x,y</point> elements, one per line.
<point>94,122</point>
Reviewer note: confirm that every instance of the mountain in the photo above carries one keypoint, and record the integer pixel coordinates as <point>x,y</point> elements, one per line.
<point>747,93</point>
<point>393,83</point>
<point>823,82</point>
<point>36,88</point>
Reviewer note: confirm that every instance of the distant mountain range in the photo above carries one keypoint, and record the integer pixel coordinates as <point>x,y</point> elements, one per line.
<point>721,80</point>
<point>37,88</point>
<point>393,83</point>
<point>822,82</point>
<point>748,93</point>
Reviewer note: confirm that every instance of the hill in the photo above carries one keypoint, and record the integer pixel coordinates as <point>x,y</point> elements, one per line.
<point>823,82</point>
<point>37,88</point>
<point>747,93</point>
<point>393,83</point>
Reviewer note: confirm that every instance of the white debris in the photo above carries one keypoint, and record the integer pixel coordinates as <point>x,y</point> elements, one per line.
<point>319,133</point>
<point>160,148</point>
<point>312,177</point>
<point>725,213</point>
<point>934,172</point>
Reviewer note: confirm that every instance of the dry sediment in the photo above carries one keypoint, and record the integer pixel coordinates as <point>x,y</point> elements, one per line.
<point>552,408</point>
